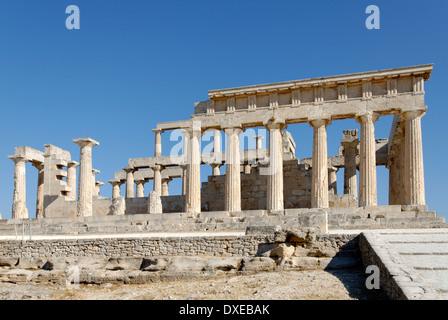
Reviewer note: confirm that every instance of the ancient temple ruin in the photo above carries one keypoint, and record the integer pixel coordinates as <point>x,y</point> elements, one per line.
<point>261,185</point>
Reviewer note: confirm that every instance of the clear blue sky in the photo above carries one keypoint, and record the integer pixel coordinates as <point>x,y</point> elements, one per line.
<point>135,63</point>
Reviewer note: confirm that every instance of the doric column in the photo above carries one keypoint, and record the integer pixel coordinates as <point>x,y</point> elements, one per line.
<point>332,180</point>
<point>19,209</point>
<point>259,142</point>
<point>71,178</point>
<point>184,178</point>
<point>115,188</point>
<point>319,182</point>
<point>98,185</point>
<point>129,181</point>
<point>85,190</point>
<point>193,192</point>
<point>157,179</point>
<point>414,181</point>
<point>217,151</point>
<point>216,141</point>
<point>367,160</point>
<point>40,190</point>
<point>165,187</point>
<point>233,172</point>
<point>216,171</point>
<point>350,144</point>
<point>158,147</point>
<point>140,188</point>
<point>275,173</point>
<point>94,173</point>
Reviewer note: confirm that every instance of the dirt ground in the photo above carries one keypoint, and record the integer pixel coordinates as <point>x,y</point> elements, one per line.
<point>284,285</point>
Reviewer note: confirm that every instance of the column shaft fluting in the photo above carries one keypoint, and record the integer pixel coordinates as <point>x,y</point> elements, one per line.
<point>193,194</point>
<point>274,199</point>
<point>140,189</point>
<point>157,179</point>
<point>233,172</point>
<point>85,187</point>
<point>414,171</point>
<point>129,182</point>
<point>319,182</point>
<point>71,179</point>
<point>158,146</point>
<point>19,209</point>
<point>367,161</point>
<point>350,181</point>
<point>40,191</point>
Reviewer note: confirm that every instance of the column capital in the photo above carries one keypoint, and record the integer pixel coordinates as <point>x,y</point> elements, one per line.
<point>319,122</point>
<point>129,169</point>
<point>157,167</point>
<point>72,164</point>
<point>95,172</point>
<point>412,114</point>
<point>229,130</point>
<point>116,182</point>
<point>99,183</point>
<point>86,142</point>
<point>18,159</point>
<point>158,131</point>
<point>275,125</point>
<point>366,117</point>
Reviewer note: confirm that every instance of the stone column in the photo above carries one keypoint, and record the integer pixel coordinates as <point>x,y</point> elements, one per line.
<point>129,182</point>
<point>94,173</point>
<point>183,166</point>
<point>319,182</point>
<point>233,171</point>
<point>350,151</point>
<point>140,188</point>
<point>367,160</point>
<point>19,209</point>
<point>216,171</point>
<point>216,141</point>
<point>184,178</point>
<point>157,179</point>
<point>85,190</point>
<point>165,187</point>
<point>71,178</point>
<point>274,201</point>
<point>40,190</point>
<point>414,182</point>
<point>332,180</point>
<point>158,147</point>
<point>98,185</point>
<point>115,188</point>
<point>193,192</point>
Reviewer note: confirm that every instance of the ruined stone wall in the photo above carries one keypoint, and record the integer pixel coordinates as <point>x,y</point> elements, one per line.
<point>296,186</point>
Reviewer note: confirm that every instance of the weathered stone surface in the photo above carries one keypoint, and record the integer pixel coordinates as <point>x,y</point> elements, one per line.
<point>118,207</point>
<point>30,263</point>
<point>8,262</point>
<point>124,264</point>
<point>186,264</point>
<point>300,263</point>
<point>283,251</point>
<point>154,264</point>
<point>154,203</point>
<point>257,264</point>
<point>295,235</point>
<point>226,264</point>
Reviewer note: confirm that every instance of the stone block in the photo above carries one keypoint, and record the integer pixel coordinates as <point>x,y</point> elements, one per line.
<point>257,264</point>
<point>8,262</point>
<point>154,264</point>
<point>124,264</point>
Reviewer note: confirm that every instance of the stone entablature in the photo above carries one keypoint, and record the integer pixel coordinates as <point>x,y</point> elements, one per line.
<point>333,95</point>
